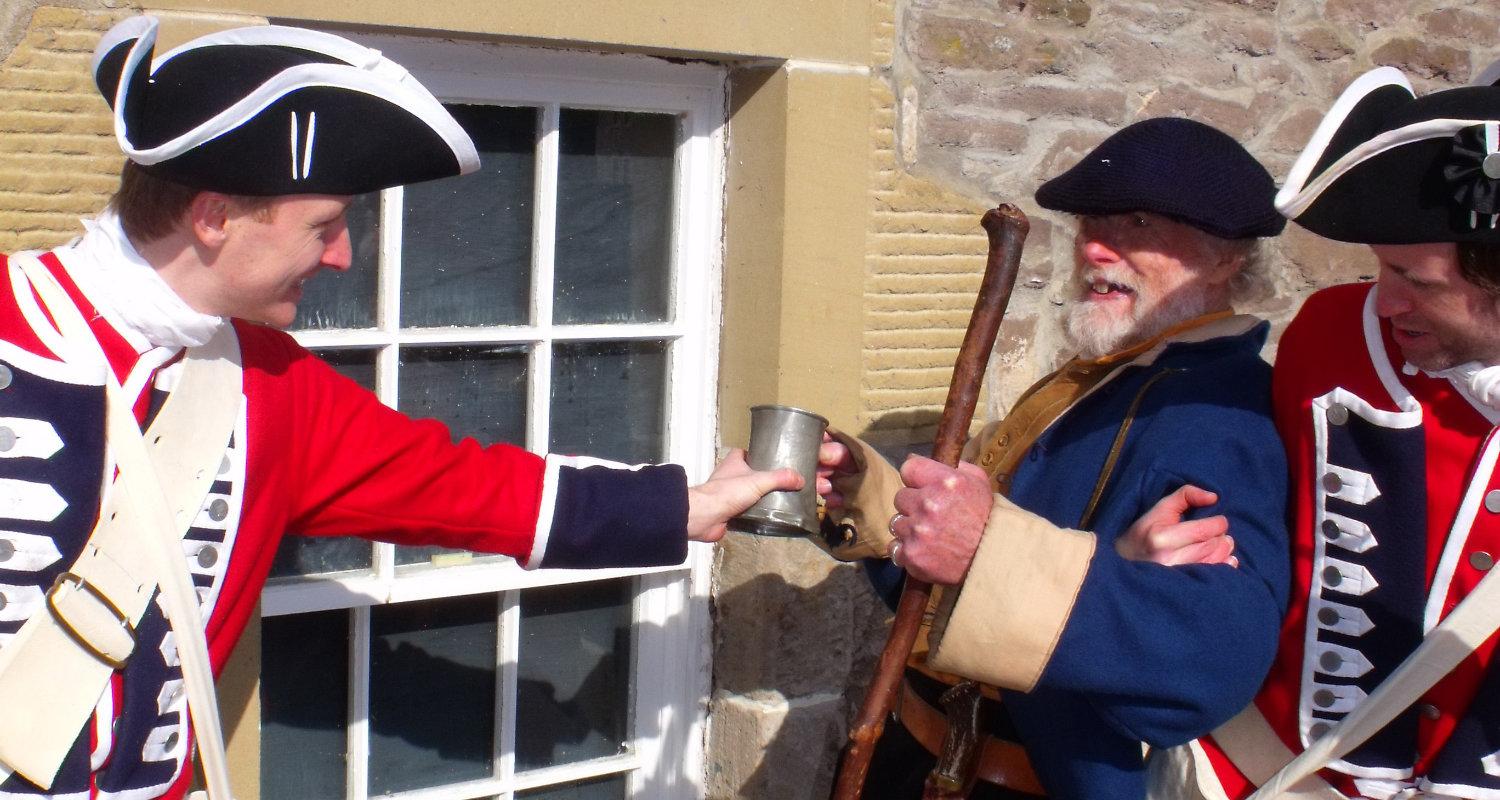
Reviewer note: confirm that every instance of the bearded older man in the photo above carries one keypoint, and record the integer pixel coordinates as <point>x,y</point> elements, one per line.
<point>1166,409</point>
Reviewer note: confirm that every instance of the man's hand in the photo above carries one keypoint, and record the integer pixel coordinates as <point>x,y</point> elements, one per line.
<point>834,460</point>
<point>732,488</point>
<point>1161,536</point>
<point>942,514</point>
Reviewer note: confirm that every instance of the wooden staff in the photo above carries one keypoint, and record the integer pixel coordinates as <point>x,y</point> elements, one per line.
<point>1007,228</point>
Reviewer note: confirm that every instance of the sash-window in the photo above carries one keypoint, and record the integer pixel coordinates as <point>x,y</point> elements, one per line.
<point>564,298</point>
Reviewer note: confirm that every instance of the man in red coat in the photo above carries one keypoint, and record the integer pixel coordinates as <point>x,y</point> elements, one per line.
<point>245,148</point>
<point>1387,397</point>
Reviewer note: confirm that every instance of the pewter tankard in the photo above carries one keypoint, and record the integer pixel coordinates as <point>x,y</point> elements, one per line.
<point>783,436</point>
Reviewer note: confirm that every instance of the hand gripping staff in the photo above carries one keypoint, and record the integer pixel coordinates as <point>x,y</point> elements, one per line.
<point>1007,228</point>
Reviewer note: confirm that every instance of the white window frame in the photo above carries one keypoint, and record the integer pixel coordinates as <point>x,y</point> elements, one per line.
<point>671,648</point>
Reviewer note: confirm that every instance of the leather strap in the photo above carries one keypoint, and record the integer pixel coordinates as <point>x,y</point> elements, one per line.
<point>53,673</point>
<point>1000,762</point>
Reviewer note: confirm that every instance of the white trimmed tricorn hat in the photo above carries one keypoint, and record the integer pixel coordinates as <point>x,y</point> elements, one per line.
<point>1388,167</point>
<point>272,110</point>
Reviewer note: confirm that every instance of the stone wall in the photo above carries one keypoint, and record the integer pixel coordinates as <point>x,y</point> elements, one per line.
<point>993,97</point>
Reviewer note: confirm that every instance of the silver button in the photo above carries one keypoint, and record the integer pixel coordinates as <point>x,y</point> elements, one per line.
<point>1330,661</point>
<point>1318,730</point>
<point>1323,698</point>
<point>1481,560</point>
<point>1491,166</point>
<point>1328,617</point>
<point>1331,529</point>
<point>171,743</point>
<point>1332,576</point>
<point>5,376</point>
<point>7,440</point>
<point>3,601</point>
<point>208,555</point>
<point>1332,484</point>
<point>1429,711</point>
<point>7,549</point>
<point>1338,414</point>
<point>224,466</point>
<point>218,509</point>
<point>1492,501</point>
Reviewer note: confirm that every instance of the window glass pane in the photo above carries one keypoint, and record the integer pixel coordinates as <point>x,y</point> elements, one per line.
<point>478,391</point>
<point>612,788</point>
<point>573,678</point>
<point>343,300</point>
<point>303,691</point>
<point>299,555</point>
<point>432,692</point>
<point>608,400</point>
<point>614,216</point>
<point>466,240</point>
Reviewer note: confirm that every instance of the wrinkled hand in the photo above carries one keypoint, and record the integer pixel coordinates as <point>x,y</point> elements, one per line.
<point>1161,536</point>
<point>732,488</point>
<point>942,514</point>
<point>834,461</point>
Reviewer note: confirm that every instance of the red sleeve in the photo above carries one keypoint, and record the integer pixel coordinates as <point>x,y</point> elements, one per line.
<point>356,467</point>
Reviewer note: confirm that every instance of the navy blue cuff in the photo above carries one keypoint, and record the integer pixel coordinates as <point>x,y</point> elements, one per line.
<point>607,517</point>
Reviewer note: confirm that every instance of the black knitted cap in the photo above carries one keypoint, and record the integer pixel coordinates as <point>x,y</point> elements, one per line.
<point>1176,167</point>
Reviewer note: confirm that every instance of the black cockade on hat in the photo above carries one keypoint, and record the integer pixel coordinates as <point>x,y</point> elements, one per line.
<point>272,110</point>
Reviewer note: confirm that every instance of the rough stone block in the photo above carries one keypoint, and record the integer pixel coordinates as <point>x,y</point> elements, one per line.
<point>1323,43</point>
<point>965,131</point>
<point>774,749</point>
<point>1426,59</point>
<point>1229,115</point>
<point>1037,100</point>
<point>1457,23</point>
<point>1295,129</point>
<point>1365,15</point>
<point>1254,37</point>
<point>961,43</point>
<point>1073,12</point>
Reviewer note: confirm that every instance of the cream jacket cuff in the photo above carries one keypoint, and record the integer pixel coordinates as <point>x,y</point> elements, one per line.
<point>861,528</point>
<point>1012,607</point>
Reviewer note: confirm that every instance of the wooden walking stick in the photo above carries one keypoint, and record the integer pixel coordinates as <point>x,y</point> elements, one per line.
<point>1007,228</point>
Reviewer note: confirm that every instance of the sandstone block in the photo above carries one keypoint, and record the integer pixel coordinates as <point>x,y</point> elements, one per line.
<point>1458,23</point>
<point>1072,12</point>
<point>967,43</point>
<point>1364,15</point>
<point>773,749</point>
<point>1324,42</point>
<point>964,131</point>
<point>1228,115</point>
<point>1426,59</point>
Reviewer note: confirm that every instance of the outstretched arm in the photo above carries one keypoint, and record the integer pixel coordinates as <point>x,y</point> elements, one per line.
<point>731,489</point>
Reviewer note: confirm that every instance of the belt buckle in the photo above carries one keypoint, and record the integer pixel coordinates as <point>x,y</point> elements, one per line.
<point>60,592</point>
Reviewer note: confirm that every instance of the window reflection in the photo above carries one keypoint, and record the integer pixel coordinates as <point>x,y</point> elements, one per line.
<point>573,679</point>
<point>614,216</point>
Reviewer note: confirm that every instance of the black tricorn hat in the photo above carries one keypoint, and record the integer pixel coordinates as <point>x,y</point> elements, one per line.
<point>1388,167</point>
<point>1177,167</point>
<point>271,110</point>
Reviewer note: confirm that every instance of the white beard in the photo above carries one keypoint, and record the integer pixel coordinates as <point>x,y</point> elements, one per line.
<point>1096,331</point>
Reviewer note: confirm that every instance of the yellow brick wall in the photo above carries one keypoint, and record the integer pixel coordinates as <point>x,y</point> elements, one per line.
<point>58,158</point>
<point>925,256</point>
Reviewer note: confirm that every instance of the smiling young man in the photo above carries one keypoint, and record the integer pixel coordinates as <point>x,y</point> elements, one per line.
<point>1388,396</point>
<point>245,148</point>
<point>1168,402</point>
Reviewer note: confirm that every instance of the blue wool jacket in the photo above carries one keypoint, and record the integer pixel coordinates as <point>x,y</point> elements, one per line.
<point>1149,653</point>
